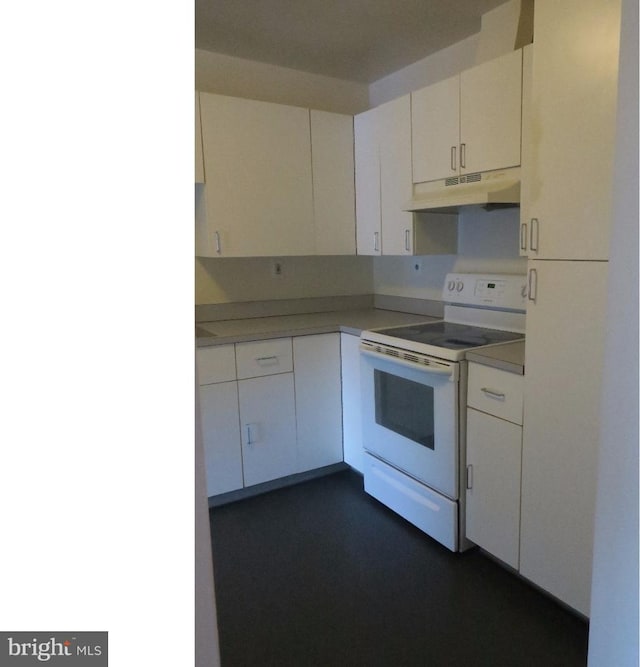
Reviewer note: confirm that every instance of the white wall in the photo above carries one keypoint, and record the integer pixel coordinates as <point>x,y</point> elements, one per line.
<point>226,75</point>
<point>614,630</point>
<point>252,279</point>
<point>433,68</point>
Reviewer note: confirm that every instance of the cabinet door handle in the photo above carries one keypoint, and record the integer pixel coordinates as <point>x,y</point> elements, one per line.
<point>250,434</point>
<point>469,476</point>
<point>533,285</point>
<point>218,244</point>
<point>493,393</point>
<point>463,156</point>
<point>535,233</point>
<point>523,236</point>
<point>376,240</point>
<point>453,159</point>
<point>407,240</point>
<point>267,361</point>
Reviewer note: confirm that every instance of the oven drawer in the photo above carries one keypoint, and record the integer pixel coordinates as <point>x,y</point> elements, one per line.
<point>264,357</point>
<point>432,513</point>
<point>495,392</point>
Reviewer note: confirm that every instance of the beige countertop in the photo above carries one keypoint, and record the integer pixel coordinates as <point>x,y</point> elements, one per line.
<point>259,328</point>
<point>507,357</point>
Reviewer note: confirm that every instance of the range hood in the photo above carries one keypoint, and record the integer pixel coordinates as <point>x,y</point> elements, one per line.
<point>493,189</point>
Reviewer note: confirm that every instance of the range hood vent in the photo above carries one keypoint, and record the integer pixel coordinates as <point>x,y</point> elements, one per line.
<point>489,190</point>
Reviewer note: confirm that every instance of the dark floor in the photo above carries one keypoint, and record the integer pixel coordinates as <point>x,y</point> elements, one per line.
<point>321,574</point>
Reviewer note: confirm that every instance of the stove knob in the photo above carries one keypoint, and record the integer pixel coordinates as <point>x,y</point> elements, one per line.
<point>459,286</point>
<point>451,285</point>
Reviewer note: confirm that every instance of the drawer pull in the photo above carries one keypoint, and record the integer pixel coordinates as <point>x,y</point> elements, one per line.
<point>493,394</point>
<point>469,477</point>
<point>267,361</point>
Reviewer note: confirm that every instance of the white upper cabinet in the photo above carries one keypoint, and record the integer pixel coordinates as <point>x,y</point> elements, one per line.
<point>490,114</point>
<point>199,166</point>
<point>470,122</point>
<point>395,176</point>
<point>435,116</point>
<point>526,168</point>
<point>367,178</point>
<point>573,116</point>
<point>257,157</point>
<point>333,184</point>
<point>384,188</point>
<point>280,180</point>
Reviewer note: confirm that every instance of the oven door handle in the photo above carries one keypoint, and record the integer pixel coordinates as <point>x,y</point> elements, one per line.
<point>436,369</point>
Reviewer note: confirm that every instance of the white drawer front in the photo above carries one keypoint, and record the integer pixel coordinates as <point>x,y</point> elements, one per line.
<point>264,357</point>
<point>496,392</point>
<point>216,364</point>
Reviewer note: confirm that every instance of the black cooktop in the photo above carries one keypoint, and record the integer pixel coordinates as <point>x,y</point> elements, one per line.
<point>451,336</point>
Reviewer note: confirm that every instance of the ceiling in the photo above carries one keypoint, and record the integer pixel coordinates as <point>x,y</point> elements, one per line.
<point>357,40</point>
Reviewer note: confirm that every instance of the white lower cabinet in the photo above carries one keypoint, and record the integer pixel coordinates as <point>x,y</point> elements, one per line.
<point>269,409</point>
<point>316,362</point>
<point>221,437</point>
<point>267,417</point>
<point>220,418</point>
<point>351,405</point>
<point>494,461</point>
<point>564,361</point>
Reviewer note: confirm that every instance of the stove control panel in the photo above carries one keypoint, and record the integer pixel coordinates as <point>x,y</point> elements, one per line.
<point>497,290</point>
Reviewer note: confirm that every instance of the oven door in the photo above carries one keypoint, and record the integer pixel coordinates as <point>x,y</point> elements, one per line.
<point>410,417</point>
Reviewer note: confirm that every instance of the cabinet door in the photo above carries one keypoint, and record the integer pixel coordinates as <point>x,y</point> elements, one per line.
<point>257,157</point>
<point>435,119</point>
<point>564,358</point>
<point>351,402</point>
<point>268,423</point>
<point>221,436</point>
<point>490,114</point>
<point>494,451</point>
<point>573,117</point>
<point>396,187</point>
<point>199,166</point>
<point>367,166</point>
<point>526,168</point>
<point>333,184</point>
<point>318,406</point>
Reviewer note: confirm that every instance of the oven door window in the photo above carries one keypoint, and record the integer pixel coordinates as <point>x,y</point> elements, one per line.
<point>405,407</point>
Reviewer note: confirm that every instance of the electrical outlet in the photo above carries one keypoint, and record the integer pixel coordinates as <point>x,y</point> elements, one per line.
<point>277,268</point>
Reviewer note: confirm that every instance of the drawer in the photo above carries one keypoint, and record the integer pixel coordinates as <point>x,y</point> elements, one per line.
<point>264,357</point>
<point>495,392</point>
<point>216,364</point>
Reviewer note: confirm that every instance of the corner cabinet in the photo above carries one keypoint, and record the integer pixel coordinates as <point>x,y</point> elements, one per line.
<point>470,122</point>
<point>384,188</point>
<point>383,179</point>
<point>267,193</point>
<point>334,215</point>
<point>351,402</point>
<point>318,400</point>
<point>494,458</point>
